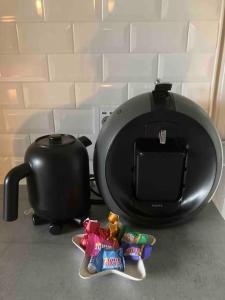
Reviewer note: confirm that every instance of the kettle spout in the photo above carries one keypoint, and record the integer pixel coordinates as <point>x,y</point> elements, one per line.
<point>85,141</point>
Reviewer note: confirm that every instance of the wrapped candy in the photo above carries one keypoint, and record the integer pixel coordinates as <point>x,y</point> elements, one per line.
<point>113,218</point>
<point>104,233</point>
<point>113,225</point>
<point>113,259</point>
<point>107,248</point>
<point>107,260</point>
<point>90,226</point>
<point>95,264</point>
<point>83,241</point>
<point>131,236</point>
<point>113,230</point>
<point>136,251</point>
<point>95,243</point>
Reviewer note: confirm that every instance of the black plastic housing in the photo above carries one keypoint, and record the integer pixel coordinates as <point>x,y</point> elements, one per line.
<point>159,167</point>
<point>161,183</point>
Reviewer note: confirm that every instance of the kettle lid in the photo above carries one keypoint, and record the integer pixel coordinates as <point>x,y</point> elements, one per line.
<point>55,139</point>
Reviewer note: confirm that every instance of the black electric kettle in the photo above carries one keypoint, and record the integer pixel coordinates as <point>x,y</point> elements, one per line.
<point>57,171</point>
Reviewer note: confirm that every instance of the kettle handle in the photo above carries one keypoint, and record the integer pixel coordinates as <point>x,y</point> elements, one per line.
<point>11,186</point>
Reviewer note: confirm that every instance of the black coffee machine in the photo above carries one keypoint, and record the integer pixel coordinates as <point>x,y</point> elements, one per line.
<point>57,171</point>
<point>158,158</point>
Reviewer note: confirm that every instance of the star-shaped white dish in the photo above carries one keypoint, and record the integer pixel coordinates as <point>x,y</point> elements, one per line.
<point>133,270</point>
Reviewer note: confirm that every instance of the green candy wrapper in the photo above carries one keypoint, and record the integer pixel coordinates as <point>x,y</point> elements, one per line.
<point>128,235</point>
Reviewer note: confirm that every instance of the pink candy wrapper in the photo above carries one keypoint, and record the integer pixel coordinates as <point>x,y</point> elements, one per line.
<point>93,226</point>
<point>95,243</point>
<point>90,226</point>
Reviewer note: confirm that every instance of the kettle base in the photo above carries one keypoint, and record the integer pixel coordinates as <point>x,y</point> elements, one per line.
<point>37,220</point>
<point>54,226</point>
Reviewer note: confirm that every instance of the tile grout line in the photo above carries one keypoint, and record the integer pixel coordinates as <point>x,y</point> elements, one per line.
<point>158,65</point>
<point>188,37</point>
<point>73,36</point>
<point>103,67</point>
<point>128,96</point>
<point>48,67</point>
<point>102,10</point>
<point>130,31</point>
<point>163,4</point>
<point>17,36</point>
<point>44,10</point>
<point>75,95</point>
<point>22,88</point>
<point>53,119</point>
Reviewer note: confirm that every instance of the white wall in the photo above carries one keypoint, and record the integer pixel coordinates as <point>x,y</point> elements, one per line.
<point>61,61</point>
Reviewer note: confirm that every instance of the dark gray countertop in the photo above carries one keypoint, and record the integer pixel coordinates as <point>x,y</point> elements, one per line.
<point>188,262</point>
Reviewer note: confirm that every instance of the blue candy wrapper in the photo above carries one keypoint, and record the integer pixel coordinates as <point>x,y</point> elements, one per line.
<point>107,259</point>
<point>113,259</point>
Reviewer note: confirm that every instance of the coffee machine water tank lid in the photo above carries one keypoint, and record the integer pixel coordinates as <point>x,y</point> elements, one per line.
<point>55,140</point>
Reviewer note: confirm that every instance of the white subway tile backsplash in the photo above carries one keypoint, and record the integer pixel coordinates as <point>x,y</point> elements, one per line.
<point>176,87</point>
<point>131,10</point>
<point>203,36</point>
<point>130,67</point>
<point>186,67</point>
<point>159,37</point>
<point>137,88</point>
<point>102,37</point>
<point>97,94</point>
<point>29,120</point>
<point>70,10</point>
<point>21,10</point>
<point>8,38</point>
<point>34,136</point>
<point>11,95</point>
<point>23,68</point>
<point>2,123</point>
<point>198,92</point>
<point>6,165</point>
<point>78,67</point>
<point>13,144</point>
<point>191,9</point>
<point>77,121</point>
<point>45,37</point>
<point>15,161</point>
<point>49,95</point>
